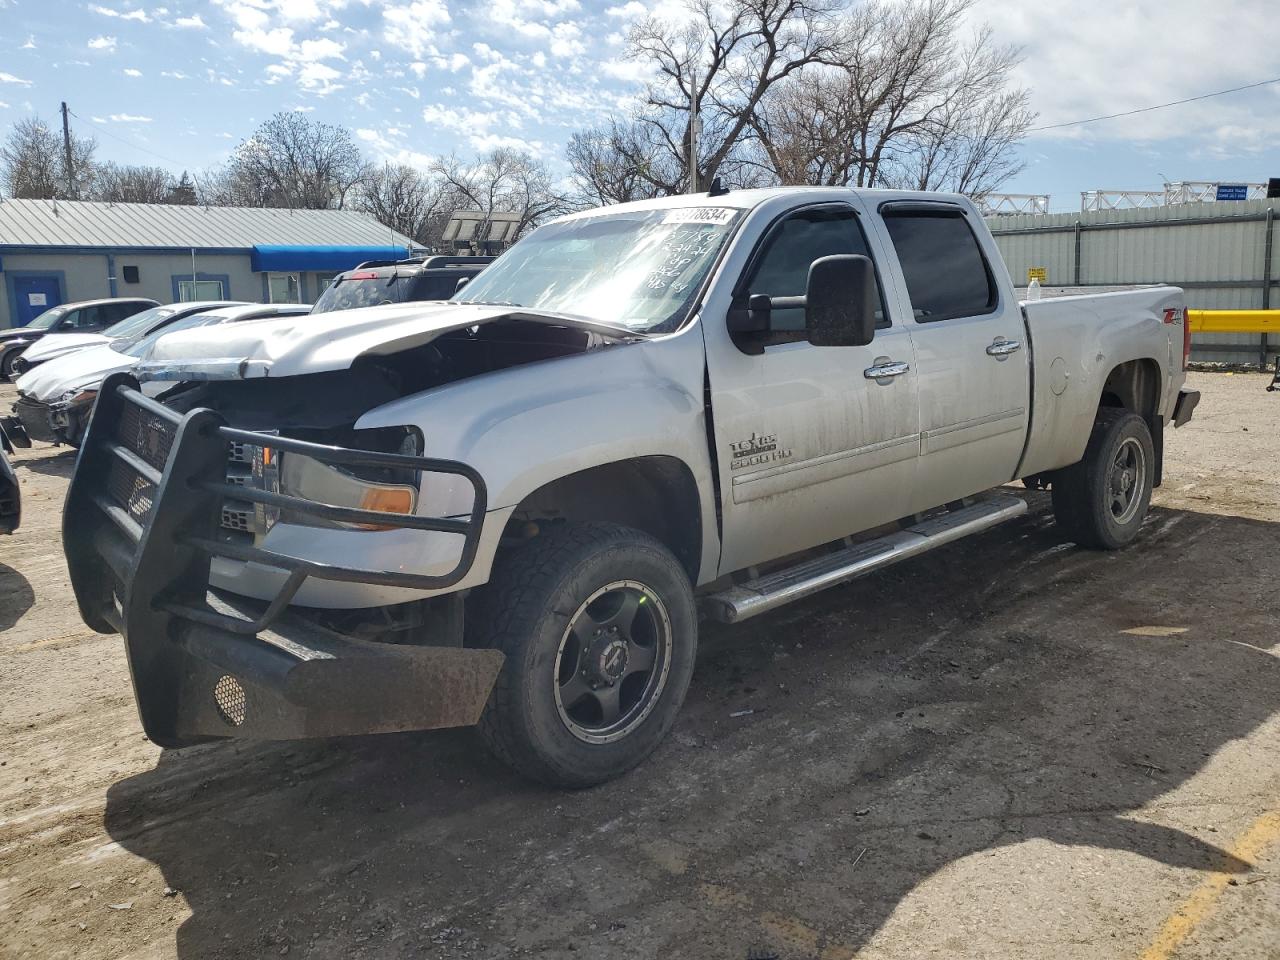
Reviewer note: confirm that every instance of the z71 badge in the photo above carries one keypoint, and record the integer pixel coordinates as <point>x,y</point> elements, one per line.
<point>756,451</point>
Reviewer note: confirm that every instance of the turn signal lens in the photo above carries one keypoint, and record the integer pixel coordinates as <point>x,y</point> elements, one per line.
<point>385,500</point>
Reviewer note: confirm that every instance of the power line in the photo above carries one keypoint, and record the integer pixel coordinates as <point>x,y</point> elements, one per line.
<point>1158,106</point>
<point>102,128</point>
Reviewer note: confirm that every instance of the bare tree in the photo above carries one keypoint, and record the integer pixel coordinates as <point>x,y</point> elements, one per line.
<point>291,161</point>
<point>125,184</point>
<point>909,104</point>
<point>404,199</point>
<point>725,59</point>
<point>33,163</point>
<point>619,162</point>
<point>501,181</point>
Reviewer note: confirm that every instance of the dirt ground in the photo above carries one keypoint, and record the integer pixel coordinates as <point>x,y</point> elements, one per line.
<point>1009,748</point>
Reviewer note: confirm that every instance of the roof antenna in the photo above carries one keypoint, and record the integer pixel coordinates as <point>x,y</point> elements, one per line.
<point>718,189</point>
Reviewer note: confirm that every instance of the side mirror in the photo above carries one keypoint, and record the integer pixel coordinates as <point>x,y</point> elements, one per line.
<point>462,282</point>
<point>840,301</point>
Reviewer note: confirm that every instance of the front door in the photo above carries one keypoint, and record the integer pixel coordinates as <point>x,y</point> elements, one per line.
<point>34,295</point>
<point>971,354</point>
<point>811,445</point>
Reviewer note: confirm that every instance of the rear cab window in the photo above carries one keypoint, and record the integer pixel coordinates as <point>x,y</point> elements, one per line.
<point>946,274</point>
<point>362,289</point>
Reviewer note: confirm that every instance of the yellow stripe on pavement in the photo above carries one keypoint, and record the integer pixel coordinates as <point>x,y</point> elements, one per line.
<point>1199,906</point>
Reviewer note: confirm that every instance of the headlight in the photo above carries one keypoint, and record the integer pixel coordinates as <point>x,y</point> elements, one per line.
<point>384,490</point>
<point>79,396</point>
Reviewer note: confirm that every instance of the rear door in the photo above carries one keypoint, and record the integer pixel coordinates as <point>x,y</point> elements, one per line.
<point>971,358</point>
<point>810,447</point>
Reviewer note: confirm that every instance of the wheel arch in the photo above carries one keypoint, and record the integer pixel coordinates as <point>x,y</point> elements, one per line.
<point>1135,385</point>
<point>656,494</point>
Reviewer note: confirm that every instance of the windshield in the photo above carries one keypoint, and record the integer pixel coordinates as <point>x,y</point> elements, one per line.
<point>137,346</point>
<point>640,270</point>
<point>47,319</point>
<point>140,323</point>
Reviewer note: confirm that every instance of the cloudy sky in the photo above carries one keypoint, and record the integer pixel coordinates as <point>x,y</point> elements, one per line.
<point>179,83</point>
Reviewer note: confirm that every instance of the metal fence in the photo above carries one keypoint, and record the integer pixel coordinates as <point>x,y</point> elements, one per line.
<point>1222,254</point>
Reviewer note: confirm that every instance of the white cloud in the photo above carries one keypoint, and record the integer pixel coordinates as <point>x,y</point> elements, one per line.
<point>10,78</point>
<point>566,40</point>
<point>31,42</point>
<point>277,42</point>
<point>322,49</point>
<point>1076,70</point>
<point>175,75</point>
<point>318,78</point>
<point>247,16</point>
<point>303,11</point>
<point>131,72</point>
<point>414,27</point>
<point>102,43</point>
<point>628,71</point>
<point>137,15</point>
<point>128,118</point>
<point>193,22</point>
<point>628,10</point>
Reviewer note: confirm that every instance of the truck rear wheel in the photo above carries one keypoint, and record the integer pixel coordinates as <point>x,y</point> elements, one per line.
<point>1102,500</point>
<point>599,629</point>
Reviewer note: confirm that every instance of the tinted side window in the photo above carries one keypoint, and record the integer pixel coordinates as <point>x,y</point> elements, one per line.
<point>943,265</point>
<point>439,286</point>
<point>783,267</point>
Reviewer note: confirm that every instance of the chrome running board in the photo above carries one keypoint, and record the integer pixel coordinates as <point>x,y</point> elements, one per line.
<point>766,593</point>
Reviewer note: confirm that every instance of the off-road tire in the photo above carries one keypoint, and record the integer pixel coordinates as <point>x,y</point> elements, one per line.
<point>1081,492</point>
<point>525,610</point>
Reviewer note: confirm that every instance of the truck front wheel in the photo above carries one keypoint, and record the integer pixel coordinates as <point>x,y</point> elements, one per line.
<point>599,629</point>
<point>1102,500</point>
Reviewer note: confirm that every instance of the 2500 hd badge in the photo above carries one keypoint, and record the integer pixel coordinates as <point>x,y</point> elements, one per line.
<point>756,451</point>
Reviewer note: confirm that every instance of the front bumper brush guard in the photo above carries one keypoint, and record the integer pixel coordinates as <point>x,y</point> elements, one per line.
<point>140,528</point>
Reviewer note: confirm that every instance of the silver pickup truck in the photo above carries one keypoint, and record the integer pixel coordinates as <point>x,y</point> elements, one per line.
<point>512,508</point>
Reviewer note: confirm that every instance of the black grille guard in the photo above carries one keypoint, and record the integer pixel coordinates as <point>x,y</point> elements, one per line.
<point>140,529</point>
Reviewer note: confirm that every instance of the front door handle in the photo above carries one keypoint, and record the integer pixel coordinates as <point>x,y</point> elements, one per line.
<point>1001,348</point>
<point>886,369</point>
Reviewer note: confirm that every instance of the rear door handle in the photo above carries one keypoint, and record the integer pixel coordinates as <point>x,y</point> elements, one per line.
<point>886,370</point>
<point>1001,348</point>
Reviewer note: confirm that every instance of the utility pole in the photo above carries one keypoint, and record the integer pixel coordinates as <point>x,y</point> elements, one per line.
<point>693,131</point>
<point>66,145</point>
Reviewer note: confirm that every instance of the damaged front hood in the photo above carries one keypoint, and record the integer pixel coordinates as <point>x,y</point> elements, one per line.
<point>313,343</point>
<point>50,381</point>
<point>57,344</point>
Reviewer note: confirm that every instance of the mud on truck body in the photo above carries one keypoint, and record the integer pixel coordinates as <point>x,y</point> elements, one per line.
<point>512,508</point>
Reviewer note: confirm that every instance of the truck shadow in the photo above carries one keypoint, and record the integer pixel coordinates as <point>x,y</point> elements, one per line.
<point>16,596</point>
<point>976,699</point>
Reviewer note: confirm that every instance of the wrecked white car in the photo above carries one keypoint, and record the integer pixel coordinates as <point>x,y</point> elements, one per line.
<point>511,508</point>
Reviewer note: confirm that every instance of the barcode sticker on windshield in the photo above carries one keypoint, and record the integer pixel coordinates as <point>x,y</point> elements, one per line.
<point>714,215</point>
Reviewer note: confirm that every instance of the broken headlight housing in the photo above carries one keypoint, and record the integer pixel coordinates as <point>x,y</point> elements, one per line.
<point>381,489</point>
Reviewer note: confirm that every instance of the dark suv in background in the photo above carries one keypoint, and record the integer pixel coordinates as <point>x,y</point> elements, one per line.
<point>398,281</point>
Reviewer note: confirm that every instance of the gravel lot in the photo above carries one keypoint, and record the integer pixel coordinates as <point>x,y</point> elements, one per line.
<point>1009,748</point>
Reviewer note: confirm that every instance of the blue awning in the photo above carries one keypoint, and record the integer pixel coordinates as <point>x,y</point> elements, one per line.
<point>323,259</point>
